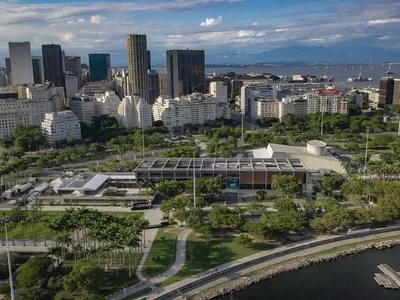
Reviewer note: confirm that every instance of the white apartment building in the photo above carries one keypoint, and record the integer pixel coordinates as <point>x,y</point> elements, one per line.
<point>219,90</point>
<point>205,108</point>
<point>71,85</point>
<point>296,107</point>
<point>28,110</point>
<point>134,112</point>
<point>61,126</point>
<point>173,112</point>
<point>21,63</point>
<point>262,108</point>
<point>83,108</point>
<point>327,101</point>
<point>252,92</point>
<point>107,104</point>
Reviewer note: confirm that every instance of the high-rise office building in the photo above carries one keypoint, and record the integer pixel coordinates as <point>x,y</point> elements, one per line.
<point>38,71</point>
<point>100,66</point>
<point>138,64</point>
<point>163,78</point>
<point>154,86</point>
<point>396,91</point>
<point>73,65</point>
<point>148,60</point>
<point>8,70</point>
<point>186,72</point>
<point>21,63</point>
<point>54,70</point>
<point>386,87</point>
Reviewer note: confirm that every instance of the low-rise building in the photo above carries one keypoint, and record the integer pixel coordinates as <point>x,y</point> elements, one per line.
<point>61,126</point>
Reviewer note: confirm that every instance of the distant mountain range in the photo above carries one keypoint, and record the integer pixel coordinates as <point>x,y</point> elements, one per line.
<point>337,54</point>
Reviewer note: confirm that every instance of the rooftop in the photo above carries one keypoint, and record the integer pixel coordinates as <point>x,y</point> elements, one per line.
<point>84,182</point>
<point>221,164</point>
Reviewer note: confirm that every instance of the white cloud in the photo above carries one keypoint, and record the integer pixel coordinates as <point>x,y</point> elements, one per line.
<point>211,22</point>
<point>246,33</point>
<point>384,21</point>
<point>255,24</point>
<point>385,37</point>
<point>67,36</point>
<point>97,19</point>
<point>281,29</point>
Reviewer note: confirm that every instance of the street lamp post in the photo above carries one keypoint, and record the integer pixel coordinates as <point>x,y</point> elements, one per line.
<point>194,180</point>
<point>9,261</point>
<point>322,123</point>
<point>242,113</point>
<point>366,151</point>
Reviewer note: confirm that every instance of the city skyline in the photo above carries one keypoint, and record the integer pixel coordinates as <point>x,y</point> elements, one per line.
<point>225,29</point>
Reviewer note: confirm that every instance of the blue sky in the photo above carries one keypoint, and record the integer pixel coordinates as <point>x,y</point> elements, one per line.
<point>221,27</point>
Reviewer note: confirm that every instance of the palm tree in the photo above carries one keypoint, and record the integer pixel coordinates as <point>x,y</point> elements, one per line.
<point>54,251</point>
<point>11,226</point>
<point>22,225</point>
<point>63,240</point>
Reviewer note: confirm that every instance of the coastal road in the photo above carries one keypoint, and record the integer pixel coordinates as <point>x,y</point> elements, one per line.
<point>205,280</point>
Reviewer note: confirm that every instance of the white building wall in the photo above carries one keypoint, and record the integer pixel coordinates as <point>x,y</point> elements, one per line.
<point>134,112</point>
<point>219,90</point>
<point>173,112</point>
<point>71,85</point>
<point>21,63</point>
<point>107,104</point>
<point>250,93</point>
<point>83,108</point>
<point>298,108</point>
<point>263,108</point>
<point>61,126</point>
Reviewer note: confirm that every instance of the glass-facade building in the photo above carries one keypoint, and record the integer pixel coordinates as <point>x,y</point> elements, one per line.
<point>100,66</point>
<point>53,65</point>
<point>186,72</point>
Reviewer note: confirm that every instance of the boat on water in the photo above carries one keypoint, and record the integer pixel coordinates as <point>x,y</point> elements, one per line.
<point>359,79</point>
<point>389,73</point>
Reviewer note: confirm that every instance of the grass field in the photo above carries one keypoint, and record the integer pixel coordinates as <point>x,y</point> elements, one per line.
<point>162,252</point>
<point>202,255</point>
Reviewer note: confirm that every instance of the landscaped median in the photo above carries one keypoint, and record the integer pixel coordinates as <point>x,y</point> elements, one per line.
<point>292,251</point>
<point>162,253</point>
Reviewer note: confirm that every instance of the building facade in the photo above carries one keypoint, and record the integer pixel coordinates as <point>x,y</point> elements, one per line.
<point>174,113</point>
<point>134,112</point>
<point>243,173</point>
<point>61,126</point>
<point>327,101</point>
<point>107,104</point>
<point>296,107</point>
<point>252,92</point>
<point>186,72</point>
<point>100,66</point>
<point>73,66</point>
<point>53,65</point>
<point>20,63</point>
<point>26,106</point>
<point>386,89</point>
<point>396,91</point>
<point>38,71</point>
<point>262,108</point>
<point>71,85</point>
<point>219,90</point>
<point>163,80</point>
<point>138,65</point>
<point>83,108</point>
<point>154,86</point>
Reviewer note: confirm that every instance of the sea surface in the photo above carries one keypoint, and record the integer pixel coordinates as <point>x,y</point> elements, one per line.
<point>350,278</point>
<point>340,72</point>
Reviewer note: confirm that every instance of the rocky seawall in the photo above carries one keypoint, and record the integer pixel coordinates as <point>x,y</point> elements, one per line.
<point>244,282</point>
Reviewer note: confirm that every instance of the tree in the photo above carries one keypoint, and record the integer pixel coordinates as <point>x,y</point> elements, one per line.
<point>85,278</point>
<point>32,271</point>
<point>262,195</point>
<point>285,221</point>
<point>223,217</point>
<point>284,204</point>
<point>181,215</point>
<point>287,185</point>
<point>330,182</point>
<point>171,188</point>
<point>244,241</point>
<point>258,229</point>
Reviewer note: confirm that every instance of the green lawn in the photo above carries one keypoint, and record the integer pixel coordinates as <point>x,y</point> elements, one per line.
<point>201,138</point>
<point>162,252</point>
<point>201,256</point>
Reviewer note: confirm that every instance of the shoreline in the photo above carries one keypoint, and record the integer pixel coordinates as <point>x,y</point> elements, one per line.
<point>259,276</point>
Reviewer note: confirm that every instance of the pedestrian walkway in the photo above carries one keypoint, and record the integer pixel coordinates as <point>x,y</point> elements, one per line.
<point>150,236</point>
<point>151,283</point>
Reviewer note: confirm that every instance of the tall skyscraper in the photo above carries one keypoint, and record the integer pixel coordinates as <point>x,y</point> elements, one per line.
<point>163,79</point>
<point>386,87</point>
<point>396,91</point>
<point>148,60</point>
<point>186,72</point>
<point>138,64</point>
<point>8,69</point>
<point>154,86</point>
<point>21,63</point>
<point>54,69</point>
<point>73,65</point>
<point>38,72</point>
<point>100,66</point>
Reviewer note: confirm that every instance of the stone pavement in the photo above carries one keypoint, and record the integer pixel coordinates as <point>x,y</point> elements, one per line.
<point>150,283</point>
